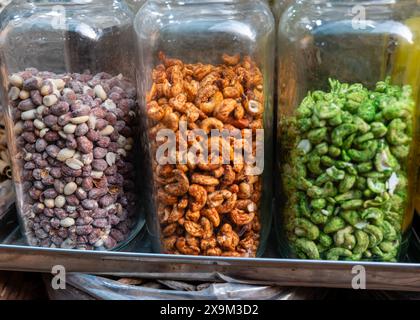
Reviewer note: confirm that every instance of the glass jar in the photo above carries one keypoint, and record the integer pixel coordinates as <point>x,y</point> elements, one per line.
<point>206,96</point>
<point>347,146</point>
<point>68,84</point>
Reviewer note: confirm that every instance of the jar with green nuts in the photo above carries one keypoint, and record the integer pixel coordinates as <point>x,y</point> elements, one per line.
<point>347,139</point>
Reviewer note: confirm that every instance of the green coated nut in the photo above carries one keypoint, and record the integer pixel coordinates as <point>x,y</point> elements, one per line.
<point>348,142</point>
<point>347,183</point>
<point>341,132</point>
<point>367,111</point>
<point>305,108</point>
<point>337,253</point>
<point>373,214</point>
<point>351,217</point>
<point>334,152</point>
<point>308,248</point>
<point>350,195</point>
<point>393,111</point>
<point>388,230</point>
<point>316,136</point>
<point>381,86</point>
<point>301,170</point>
<point>318,204</point>
<point>396,133</point>
<point>377,202</point>
<point>305,124</point>
<point>335,174</point>
<point>376,186</point>
<point>318,95</point>
<point>305,228</point>
<point>347,117</point>
<point>354,257</point>
<point>327,161</point>
<point>315,192</point>
<point>400,152</point>
<point>325,240</point>
<point>345,156</point>
<point>319,218</point>
<point>374,175</point>
<point>304,209</point>
<point>341,237</point>
<point>378,129</point>
<point>321,248</point>
<point>362,242</point>
<point>303,184</point>
<point>361,125</point>
<point>335,121</point>
<point>333,225</point>
<point>361,183</point>
<point>385,161</point>
<point>326,110</point>
<point>365,155</point>
<point>314,164</point>
<point>385,256</point>
<point>375,235</point>
<point>389,246</point>
<point>330,190</point>
<point>316,122</point>
<point>322,179</point>
<point>363,138</point>
<point>352,204</point>
<point>321,149</point>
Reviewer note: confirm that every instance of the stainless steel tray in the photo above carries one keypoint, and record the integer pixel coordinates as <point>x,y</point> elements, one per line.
<point>142,263</point>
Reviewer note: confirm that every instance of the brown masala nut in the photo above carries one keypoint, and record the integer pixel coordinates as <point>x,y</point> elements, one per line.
<point>210,207</point>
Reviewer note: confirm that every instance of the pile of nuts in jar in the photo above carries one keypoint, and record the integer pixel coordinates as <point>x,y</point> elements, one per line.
<point>74,142</point>
<point>346,173</point>
<point>207,208</point>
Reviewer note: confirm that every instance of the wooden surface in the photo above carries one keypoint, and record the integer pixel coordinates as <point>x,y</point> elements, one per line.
<point>21,286</point>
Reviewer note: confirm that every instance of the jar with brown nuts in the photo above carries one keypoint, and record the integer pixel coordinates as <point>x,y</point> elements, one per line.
<point>67,82</point>
<point>206,95</point>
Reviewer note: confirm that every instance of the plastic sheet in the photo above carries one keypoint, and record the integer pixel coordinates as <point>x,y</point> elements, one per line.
<point>82,287</point>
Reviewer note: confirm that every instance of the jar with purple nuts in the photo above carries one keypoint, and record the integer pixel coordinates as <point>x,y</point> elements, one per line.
<point>68,87</point>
